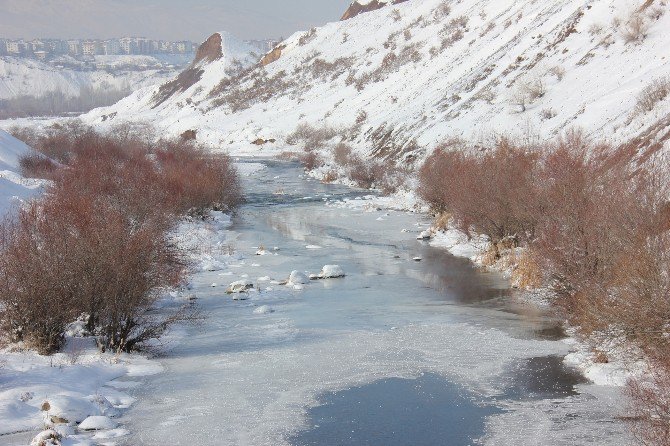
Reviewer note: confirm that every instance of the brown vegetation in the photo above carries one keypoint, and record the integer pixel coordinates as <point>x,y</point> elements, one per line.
<point>99,243</point>
<point>595,227</point>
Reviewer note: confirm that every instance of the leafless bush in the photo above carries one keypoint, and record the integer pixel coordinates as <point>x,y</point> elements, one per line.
<point>341,154</point>
<point>453,31</point>
<point>492,193</point>
<point>442,11</point>
<point>649,405</point>
<point>652,94</point>
<point>557,71</point>
<point>37,166</point>
<point>98,242</point>
<point>307,37</point>
<point>376,174</point>
<point>396,15</point>
<point>311,137</point>
<point>528,91</point>
<point>635,28</point>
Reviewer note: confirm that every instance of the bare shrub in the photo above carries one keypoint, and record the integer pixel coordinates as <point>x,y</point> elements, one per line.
<point>37,166</point>
<point>442,11</point>
<point>99,241</point>
<point>635,28</point>
<point>342,153</point>
<point>311,137</point>
<point>528,91</point>
<point>652,94</point>
<point>491,193</point>
<point>557,71</point>
<point>378,174</point>
<point>649,405</point>
<point>310,160</point>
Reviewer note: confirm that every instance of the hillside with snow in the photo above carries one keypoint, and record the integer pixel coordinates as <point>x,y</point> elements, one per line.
<point>404,77</point>
<point>14,188</point>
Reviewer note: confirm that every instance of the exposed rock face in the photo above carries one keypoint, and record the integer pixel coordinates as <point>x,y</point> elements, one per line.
<point>273,55</point>
<point>357,7</point>
<point>210,49</point>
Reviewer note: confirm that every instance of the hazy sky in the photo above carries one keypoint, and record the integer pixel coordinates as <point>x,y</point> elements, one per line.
<point>164,19</point>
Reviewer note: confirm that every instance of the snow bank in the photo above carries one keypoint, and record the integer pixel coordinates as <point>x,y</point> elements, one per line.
<point>14,189</point>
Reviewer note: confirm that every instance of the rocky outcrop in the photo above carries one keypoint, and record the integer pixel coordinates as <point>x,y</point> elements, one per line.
<point>210,50</point>
<point>273,55</point>
<point>360,7</point>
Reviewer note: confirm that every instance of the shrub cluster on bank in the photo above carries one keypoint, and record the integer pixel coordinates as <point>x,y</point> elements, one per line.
<point>98,243</point>
<point>595,223</point>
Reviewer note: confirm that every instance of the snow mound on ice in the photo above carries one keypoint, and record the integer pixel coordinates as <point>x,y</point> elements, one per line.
<point>97,423</point>
<point>298,278</point>
<point>331,272</point>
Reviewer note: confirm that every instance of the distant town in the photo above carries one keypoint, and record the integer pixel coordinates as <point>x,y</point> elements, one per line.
<point>45,49</point>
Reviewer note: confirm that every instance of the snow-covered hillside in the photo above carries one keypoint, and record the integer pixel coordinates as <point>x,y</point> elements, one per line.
<point>21,76</point>
<point>220,58</point>
<point>407,76</point>
<point>13,187</point>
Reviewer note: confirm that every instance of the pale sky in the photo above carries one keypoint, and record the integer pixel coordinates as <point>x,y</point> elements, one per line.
<point>164,19</point>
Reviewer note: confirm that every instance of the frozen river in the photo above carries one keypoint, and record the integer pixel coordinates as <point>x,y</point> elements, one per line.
<point>399,352</point>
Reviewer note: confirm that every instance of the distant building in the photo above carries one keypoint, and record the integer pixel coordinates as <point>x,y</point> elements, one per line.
<point>74,47</point>
<point>16,47</point>
<point>91,48</point>
<point>41,55</point>
<point>112,46</point>
<point>183,47</point>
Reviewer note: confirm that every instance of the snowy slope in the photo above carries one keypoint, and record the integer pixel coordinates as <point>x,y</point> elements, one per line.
<point>20,76</point>
<point>13,187</point>
<point>425,70</point>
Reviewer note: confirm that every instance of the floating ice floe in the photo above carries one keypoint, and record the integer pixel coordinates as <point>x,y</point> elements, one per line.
<point>417,259</point>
